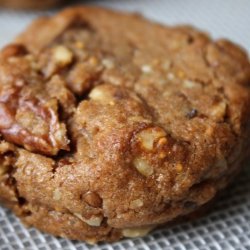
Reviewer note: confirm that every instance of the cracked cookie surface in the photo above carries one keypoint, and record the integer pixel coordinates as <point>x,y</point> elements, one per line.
<point>108,131</point>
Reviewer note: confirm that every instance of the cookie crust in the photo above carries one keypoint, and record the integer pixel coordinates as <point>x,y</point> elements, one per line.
<point>111,130</point>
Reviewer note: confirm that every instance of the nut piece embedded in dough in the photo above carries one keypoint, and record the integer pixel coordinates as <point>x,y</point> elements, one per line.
<point>218,111</point>
<point>143,167</point>
<point>136,232</point>
<point>179,167</point>
<point>91,241</point>
<point>108,63</point>
<point>94,221</point>
<point>149,136</point>
<point>57,195</point>
<point>146,69</point>
<point>97,94</point>
<point>191,84</point>
<point>136,203</point>
<point>62,55</point>
<point>101,94</point>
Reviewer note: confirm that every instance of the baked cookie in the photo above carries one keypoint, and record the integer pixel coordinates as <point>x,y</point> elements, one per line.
<point>29,4</point>
<point>112,125</point>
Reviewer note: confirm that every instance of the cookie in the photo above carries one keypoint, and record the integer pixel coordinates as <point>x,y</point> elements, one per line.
<point>29,4</point>
<point>112,125</point>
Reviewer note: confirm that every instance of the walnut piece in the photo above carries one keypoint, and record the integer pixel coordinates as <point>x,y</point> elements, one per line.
<point>146,69</point>
<point>189,84</point>
<point>218,110</point>
<point>62,55</point>
<point>143,167</point>
<point>136,232</point>
<point>108,63</point>
<point>149,136</point>
<point>94,221</point>
<point>136,203</point>
<point>57,195</point>
<point>101,94</point>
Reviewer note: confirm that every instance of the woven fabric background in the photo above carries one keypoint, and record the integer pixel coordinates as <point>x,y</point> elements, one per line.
<point>227,226</point>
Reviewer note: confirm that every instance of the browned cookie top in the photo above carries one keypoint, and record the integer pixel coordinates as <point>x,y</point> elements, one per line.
<point>116,122</point>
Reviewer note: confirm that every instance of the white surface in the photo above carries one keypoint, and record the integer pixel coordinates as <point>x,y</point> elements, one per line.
<point>228,225</point>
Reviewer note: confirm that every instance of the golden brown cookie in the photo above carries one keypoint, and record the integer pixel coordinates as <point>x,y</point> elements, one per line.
<point>112,125</point>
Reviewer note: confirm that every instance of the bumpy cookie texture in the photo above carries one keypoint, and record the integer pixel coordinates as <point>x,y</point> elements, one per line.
<point>109,130</point>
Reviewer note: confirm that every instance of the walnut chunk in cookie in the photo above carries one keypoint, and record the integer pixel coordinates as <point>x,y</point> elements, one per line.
<point>150,136</point>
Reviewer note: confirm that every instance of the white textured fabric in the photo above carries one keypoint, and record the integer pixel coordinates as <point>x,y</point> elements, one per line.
<point>227,226</point>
